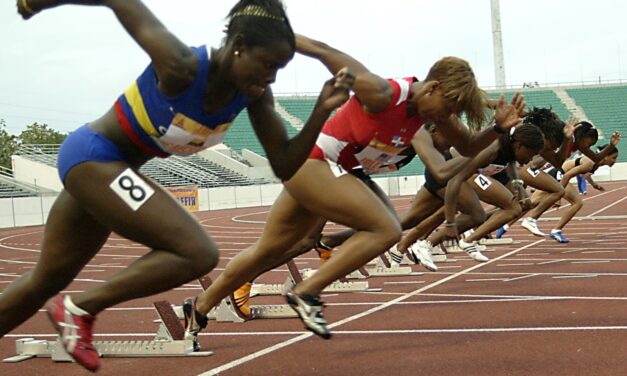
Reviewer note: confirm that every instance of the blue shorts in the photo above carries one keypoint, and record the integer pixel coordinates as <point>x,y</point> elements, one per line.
<point>85,145</point>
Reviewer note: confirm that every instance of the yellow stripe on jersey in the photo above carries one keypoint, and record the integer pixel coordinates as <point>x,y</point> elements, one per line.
<point>134,98</point>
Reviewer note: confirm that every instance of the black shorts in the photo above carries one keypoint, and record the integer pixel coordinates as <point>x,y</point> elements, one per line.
<point>431,184</point>
<point>502,177</point>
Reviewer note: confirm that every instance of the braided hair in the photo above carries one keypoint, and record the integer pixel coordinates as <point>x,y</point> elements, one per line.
<point>586,129</point>
<point>527,135</point>
<point>548,122</point>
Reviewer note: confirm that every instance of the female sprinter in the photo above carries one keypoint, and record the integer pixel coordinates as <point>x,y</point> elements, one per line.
<point>369,130</point>
<point>182,103</point>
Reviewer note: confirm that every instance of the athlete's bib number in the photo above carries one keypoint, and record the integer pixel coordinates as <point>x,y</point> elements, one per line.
<point>132,189</point>
<point>483,182</point>
<point>532,172</point>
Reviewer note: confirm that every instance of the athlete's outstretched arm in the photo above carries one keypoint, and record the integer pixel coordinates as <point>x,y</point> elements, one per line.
<point>441,169</point>
<point>452,188</point>
<point>598,157</point>
<point>374,92</point>
<point>469,143</point>
<point>174,62</point>
<point>287,155</point>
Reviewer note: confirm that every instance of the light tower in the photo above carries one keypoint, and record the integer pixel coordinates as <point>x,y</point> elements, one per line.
<point>497,42</point>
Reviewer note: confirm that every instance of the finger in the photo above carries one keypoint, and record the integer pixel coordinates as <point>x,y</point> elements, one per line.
<point>501,100</point>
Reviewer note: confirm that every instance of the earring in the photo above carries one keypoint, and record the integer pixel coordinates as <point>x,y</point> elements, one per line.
<point>236,53</point>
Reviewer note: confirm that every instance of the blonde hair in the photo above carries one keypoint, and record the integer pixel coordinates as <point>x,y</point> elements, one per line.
<point>460,89</point>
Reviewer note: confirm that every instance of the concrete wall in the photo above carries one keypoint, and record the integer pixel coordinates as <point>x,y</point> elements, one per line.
<point>28,211</point>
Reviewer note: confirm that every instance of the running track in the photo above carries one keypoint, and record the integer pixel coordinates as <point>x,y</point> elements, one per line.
<point>537,308</point>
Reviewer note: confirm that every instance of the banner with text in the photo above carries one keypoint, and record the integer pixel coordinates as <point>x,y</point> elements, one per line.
<point>186,195</point>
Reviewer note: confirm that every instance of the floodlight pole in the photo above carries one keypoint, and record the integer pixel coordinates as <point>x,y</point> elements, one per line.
<point>497,41</point>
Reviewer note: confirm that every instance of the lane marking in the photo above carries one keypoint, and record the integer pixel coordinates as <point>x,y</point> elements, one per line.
<point>278,346</point>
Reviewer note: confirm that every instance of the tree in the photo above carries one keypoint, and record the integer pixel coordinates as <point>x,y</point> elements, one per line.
<point>9,145</point>
<point>41,134</point>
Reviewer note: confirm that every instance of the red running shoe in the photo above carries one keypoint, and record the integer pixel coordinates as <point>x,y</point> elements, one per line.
<point>75,333</point>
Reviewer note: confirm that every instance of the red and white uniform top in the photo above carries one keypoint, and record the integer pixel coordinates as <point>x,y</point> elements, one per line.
<point>354,137</point>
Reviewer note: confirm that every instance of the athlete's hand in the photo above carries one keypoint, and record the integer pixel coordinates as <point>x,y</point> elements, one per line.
<point>598,187</point>
<point>449,230</point>
<point>615,139</point>
<point>336,91</point>
<point>570,127</point>
<point>509,115</point>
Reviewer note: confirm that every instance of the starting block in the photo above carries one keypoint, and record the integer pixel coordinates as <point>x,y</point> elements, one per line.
<point>225,312</point>
<point>169,341</point>
<point>501,241</point>
<point>295,276</point>
<point>384,268</point>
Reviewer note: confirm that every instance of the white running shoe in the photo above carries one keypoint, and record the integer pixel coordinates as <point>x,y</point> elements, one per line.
<point>472,251</point>
<point>421,254</point>
<point>395,256</point>
<point>531,224</point>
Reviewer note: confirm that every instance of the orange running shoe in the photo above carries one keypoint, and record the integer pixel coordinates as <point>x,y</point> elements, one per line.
<point>324,252</point>
<point>240,300</point>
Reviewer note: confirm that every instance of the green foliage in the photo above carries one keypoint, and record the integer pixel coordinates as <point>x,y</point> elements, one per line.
<point>33,134</point>
<point>8,145</point>
<point>41,134</point>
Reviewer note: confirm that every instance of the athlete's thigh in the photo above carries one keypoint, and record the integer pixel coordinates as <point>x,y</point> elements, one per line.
<point>540,180</point>
<point>343,199</point>
<point>376,189</point>
<point>570,194</point>
<point>134,206</point>
<point>491,191</point>
<point>424,204</point>
<point>468,200</point>
<point>71,238</point>
<point>287,224</point>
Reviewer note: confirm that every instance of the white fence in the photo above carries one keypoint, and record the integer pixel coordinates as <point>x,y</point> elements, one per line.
<point>29,211</point>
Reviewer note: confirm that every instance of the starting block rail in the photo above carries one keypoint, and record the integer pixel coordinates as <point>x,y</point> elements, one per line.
<point>169,341</point>
<point>500,241</point>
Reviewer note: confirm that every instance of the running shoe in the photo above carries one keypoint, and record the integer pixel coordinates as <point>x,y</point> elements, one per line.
<point>324,252</point>
<point>531,224</point>
<point>194,321</point>
<point>420,253</point>
<point>309,308</point>
<point>501,231</point>
<point>240,301</point>
<point>395,256</point>
<point>472,251</point>
<point>559,237</point>
<point>75,332</point>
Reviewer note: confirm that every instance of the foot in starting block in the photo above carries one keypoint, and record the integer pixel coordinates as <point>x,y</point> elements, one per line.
<point>169,341</point>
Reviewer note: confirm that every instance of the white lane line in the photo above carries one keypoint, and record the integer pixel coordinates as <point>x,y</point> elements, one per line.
<point>364,332</point>
<point>591,262</point>
<point>521,277</point>
<point>487,280</point>
<point>278,346</point>
<point>551,262</point>
<point>607,207</point>
<point>576,276</point>
<point>523,264</point>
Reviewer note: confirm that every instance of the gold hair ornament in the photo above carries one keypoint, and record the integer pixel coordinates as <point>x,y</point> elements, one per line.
<point>254,11</point>
<point>27,7</point>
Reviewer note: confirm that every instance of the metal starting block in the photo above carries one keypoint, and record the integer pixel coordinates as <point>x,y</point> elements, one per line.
<point>169,341</point>
<point>501,241</point>
<point>450,246</point>
<point>384,268</point>
<point>295,276</point>
<point>225,312</point>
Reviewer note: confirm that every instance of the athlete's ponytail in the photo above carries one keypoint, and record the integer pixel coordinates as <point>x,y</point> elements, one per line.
<point>527,135</point>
